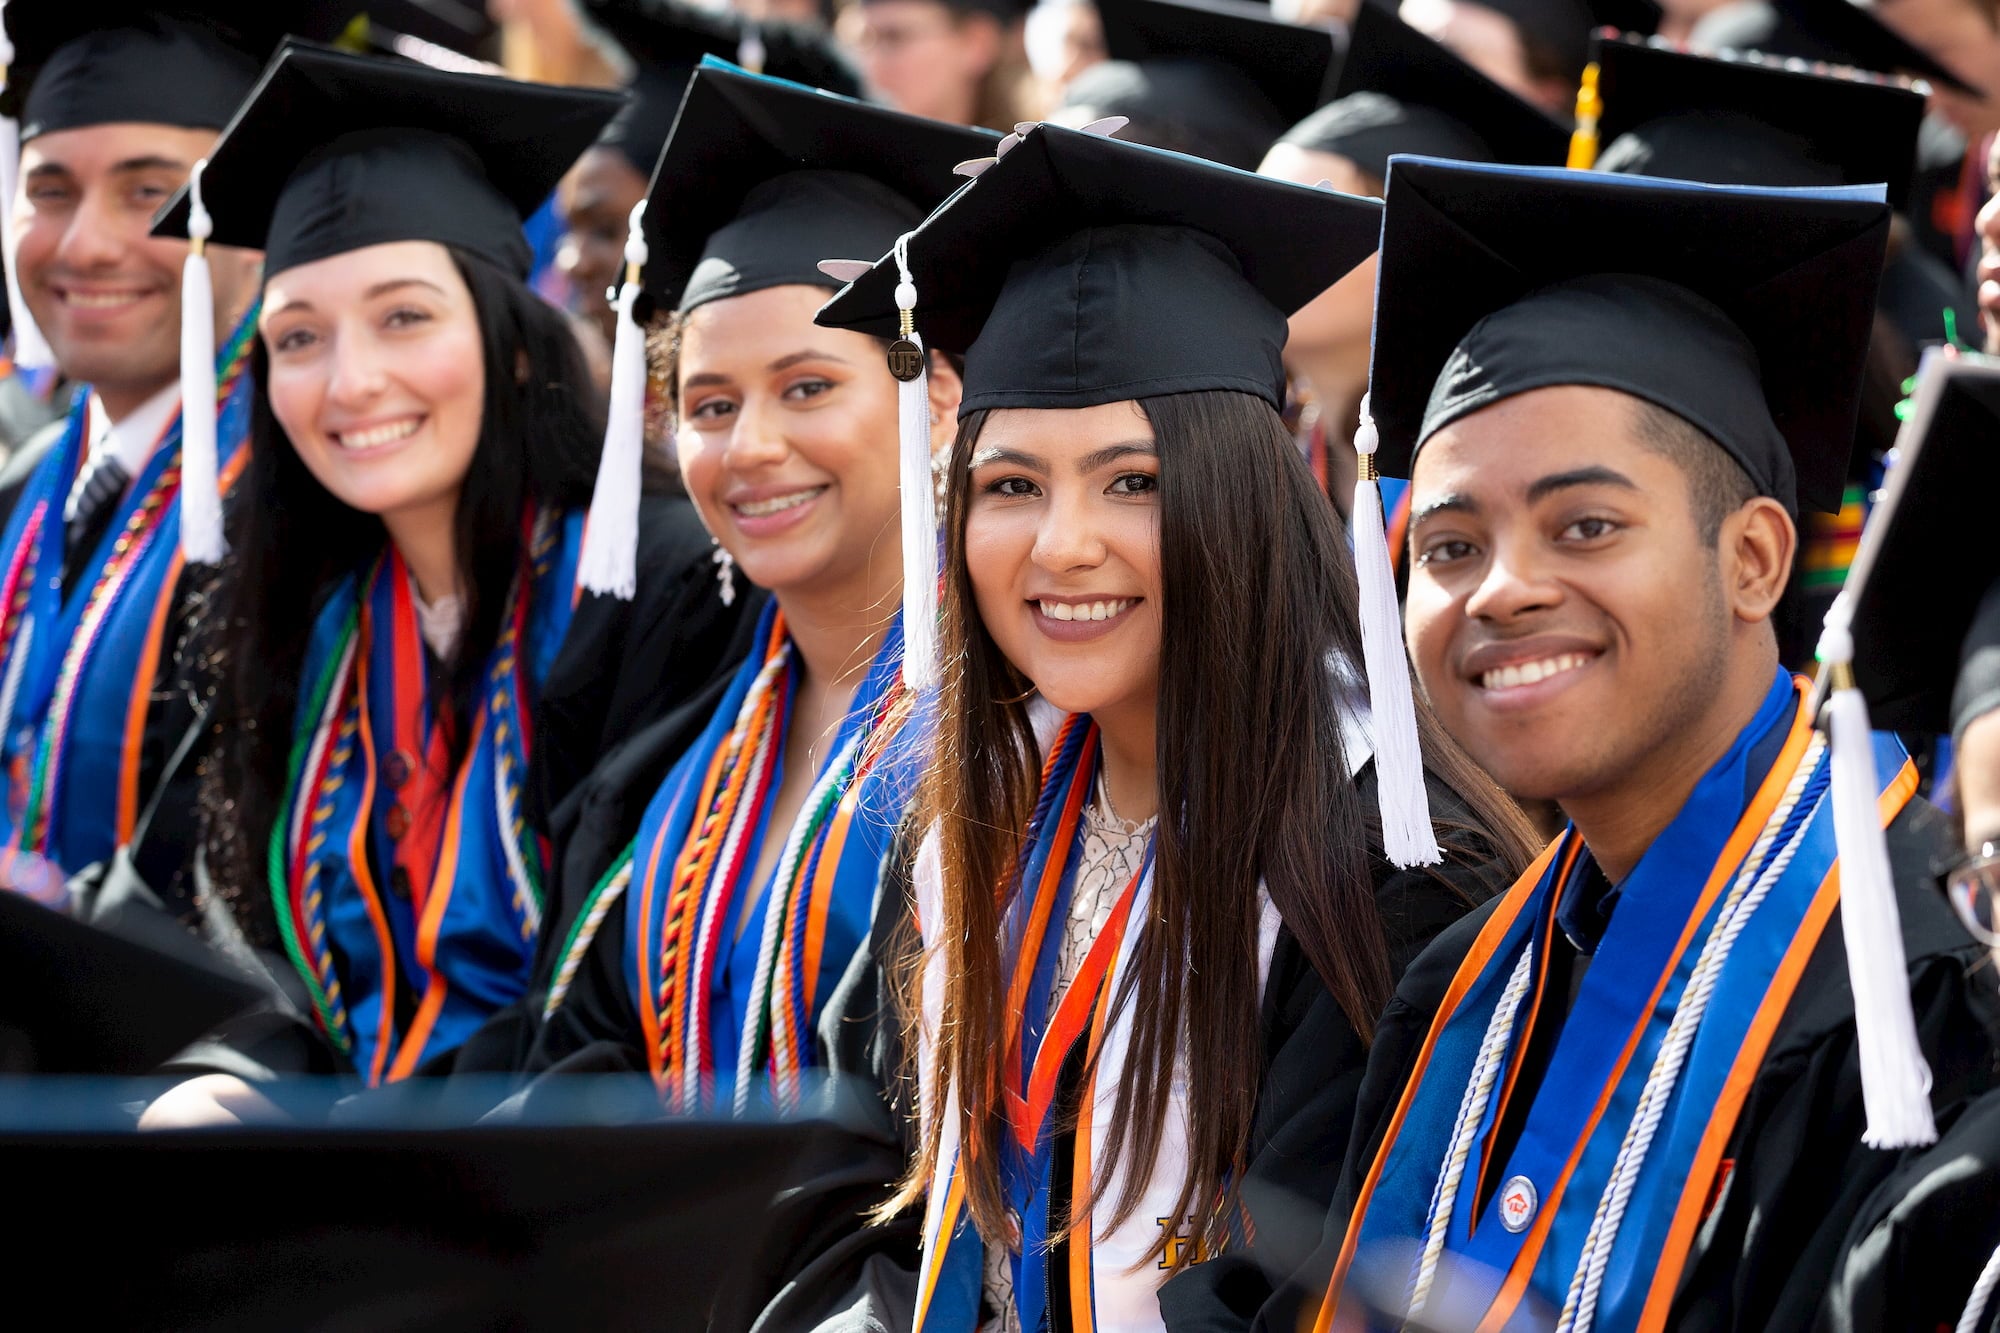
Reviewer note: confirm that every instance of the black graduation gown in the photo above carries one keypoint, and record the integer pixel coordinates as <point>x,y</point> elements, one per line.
<point>622,666</point>
<point>824,1268</point>
<point>1917,1249</point>
<point>1764,1255</point>
<point>1313,1060</point>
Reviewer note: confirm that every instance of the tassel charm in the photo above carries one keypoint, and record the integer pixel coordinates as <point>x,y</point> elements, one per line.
<point>609,561</point>
<point>920,525</point>
<point>202,541</point>
<point>1895,1080</point>
<point>1408,839</point>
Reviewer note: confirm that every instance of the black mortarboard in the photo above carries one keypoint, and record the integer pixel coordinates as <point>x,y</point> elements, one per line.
<point>1288,63</point>
<point>1744,311</point>
<point>334,152</point>
<point>1401,92</point>
<point>1921,582</point>
<point>1006,11</point>
<point>1186,105</point>
<point>761,179</point>
<point>1834,32</point>
<point>517,1226</point>
<point>456,25</point>
<point>1746,122</point>
<point>667,39</point>
<point>78,1000</point>
<point>181,62</point>
<point>1080,270</point>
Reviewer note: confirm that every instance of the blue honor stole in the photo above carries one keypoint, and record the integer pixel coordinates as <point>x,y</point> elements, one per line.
<point>721,1004</point>
<point>1047,1147</point>
<point>77,664</point>
<point>1595,1210</point>
<point>401,971</point>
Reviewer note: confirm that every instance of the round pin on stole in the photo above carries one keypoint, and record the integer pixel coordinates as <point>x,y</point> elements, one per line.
<point>1517,1204</point>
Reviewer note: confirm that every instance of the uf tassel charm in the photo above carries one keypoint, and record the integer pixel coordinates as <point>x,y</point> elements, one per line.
<point>1895,1080</point>
<point>1407,836</point>
<point>907,363</point>
<point>202,541</point>
<point>610,557</point>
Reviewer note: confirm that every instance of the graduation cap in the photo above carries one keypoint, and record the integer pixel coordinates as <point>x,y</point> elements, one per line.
<point>1287,63</point>
<point>158,62</point>
<point>1005,11</point>
<point>533,1226</point>
<point>333,152</point>
<point>461,26</point>
<point>1833,32</point>
<point>1401,92</point>
<point>1744,311</point>
<point>759,180</point>
<point>75,999</point>
<point>66,65</point>
<point>1079,270</point>
<point>667,39</point>
<point>1218,79</point>
<point>1922,579</point>
<point>1912,642</point>
<point>1746,122</point>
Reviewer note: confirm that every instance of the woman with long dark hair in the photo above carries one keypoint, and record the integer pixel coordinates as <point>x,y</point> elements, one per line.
<point>715,918</point>
<point>409,676</point>
<point>1179,847</point>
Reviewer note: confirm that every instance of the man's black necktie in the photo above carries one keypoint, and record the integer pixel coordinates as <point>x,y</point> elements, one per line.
<point>92,506</point>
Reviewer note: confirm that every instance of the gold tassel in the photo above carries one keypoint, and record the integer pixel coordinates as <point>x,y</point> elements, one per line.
<point>1589,106</point>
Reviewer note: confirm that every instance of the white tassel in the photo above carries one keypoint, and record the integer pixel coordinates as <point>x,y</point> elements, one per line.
<point>201,494</point>
<point>1895,1080</point>
<point>31,350</point>
<point>920,525</point>
<point>610,558</point>
<point>1407,836</point>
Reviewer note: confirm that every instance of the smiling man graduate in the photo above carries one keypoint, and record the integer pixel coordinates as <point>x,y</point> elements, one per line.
<point>1630,1094</point>
<point>116,102</point>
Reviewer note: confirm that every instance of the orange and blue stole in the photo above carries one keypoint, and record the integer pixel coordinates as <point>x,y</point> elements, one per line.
<point>1594,1212</point>
<point>1047,1069</point>
<point>78,662</point>
<point>409,896</point>
<point>728,975</point>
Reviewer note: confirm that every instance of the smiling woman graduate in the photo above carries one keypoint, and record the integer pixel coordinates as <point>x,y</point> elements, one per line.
<point>724,873</point>
<point>410,677</point>
<point>1178,850</point>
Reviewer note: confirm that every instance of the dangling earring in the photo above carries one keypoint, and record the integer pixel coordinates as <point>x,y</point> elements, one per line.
<point>725,571</point>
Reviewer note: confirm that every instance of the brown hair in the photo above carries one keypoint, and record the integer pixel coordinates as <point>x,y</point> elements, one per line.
<point>1259,588</point>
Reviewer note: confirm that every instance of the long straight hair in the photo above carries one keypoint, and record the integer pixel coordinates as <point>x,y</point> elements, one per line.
<point>1258,590</point>
<point>291,541</point>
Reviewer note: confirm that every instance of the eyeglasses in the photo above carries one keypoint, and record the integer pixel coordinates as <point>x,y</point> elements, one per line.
<point>1973,888</point>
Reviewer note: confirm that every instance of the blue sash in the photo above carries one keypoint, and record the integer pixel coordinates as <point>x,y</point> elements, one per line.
<point>359,931</point>
<point>1545,1204</point>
